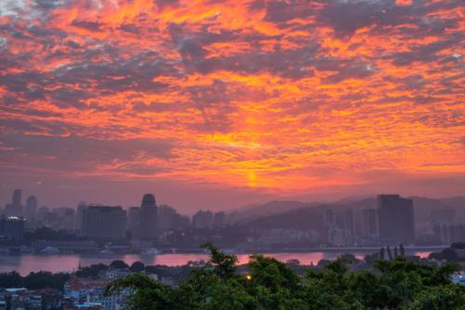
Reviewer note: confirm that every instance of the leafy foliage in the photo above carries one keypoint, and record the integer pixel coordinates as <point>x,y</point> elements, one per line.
<point>270,284</point>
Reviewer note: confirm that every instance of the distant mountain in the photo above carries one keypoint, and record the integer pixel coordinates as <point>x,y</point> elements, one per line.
<point>359,204</point>
<point>266,209</point>
<point>353,199</point>
<point>457,202</point>
<point>301,215</point>
<point>303,218</point>
<point>425,207</point>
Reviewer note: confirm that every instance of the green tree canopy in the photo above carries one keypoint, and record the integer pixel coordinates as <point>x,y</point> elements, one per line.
<point>266,283</point>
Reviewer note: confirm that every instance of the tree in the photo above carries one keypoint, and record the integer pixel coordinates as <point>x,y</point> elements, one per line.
<point>458,245</point>
<point>224,265</point>
<point>34,281</point>
<point>266,283</point>
<point>440,298</point>
<point>118,264</point>
<point>137,267</point>
<point>11,279</point>
<point>349,259</point>
<point>271,273</point>
<point>92,271</point>
<point>148,294</point>
<point>449,254</point>
<point>402,250</point>
<point>42,279</point>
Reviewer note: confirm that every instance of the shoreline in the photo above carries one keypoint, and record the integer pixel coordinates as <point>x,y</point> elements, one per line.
<point>197,251</point>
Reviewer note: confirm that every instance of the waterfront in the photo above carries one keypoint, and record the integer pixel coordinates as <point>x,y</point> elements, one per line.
<point>26,263</point>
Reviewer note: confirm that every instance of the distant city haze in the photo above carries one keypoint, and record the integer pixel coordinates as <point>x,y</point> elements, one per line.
<point>191,198</point>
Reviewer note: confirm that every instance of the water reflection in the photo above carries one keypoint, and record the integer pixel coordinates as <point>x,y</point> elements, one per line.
<point>26,263</point>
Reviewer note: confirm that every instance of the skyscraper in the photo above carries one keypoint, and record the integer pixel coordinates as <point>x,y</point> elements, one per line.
<point>16,197</point>
<point>104,223</point>
<point>396,220</point>
<point>169,219</point>
<point>166,218</point>
<point>202,219</point>
<point>369,222</point>
<point>31,209</point>
<point>134,221</point>
<point>148,217</point>
<point>42,214</point>
<point>11,229</point>
<point>219,219</point>
<point>82,205</point>
<point>15,208</point>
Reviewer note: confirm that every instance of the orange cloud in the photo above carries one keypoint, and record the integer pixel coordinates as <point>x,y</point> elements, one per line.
<point>267,95</point>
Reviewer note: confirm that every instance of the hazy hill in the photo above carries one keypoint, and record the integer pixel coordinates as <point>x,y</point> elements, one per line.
<point>272,207</point>
<point>301,215</point>
<point>425,207</point>
<point>303,218</point>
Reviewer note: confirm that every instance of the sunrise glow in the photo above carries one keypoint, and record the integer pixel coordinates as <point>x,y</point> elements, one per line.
<point>282,97</point>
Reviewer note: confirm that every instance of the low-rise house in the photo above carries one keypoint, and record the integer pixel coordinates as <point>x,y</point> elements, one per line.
<point>90,293</point>
<point>459,278</point>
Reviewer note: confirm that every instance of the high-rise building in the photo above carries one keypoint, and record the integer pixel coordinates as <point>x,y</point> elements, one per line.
<point>219,219</point>
<point>134,221</point>
<point>16,197</point>
<point>104,223</point>
<point>166,218</point>
<point>183,222</point>
<point>170,219</point>
<point>67,218</point>
<point>15,208</point>
<point>11,229</point>
<point>369,222</point>
<point>31,209</point>
<point>396,220</point>
<point>348,220</point>
<point>148,217</point>
<point>202,219</point>
<point>447,233</point>
<point>329,217</point>
<point>42,214</point>
<point>82,205</point>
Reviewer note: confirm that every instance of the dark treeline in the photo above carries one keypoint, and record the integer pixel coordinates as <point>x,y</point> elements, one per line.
<point>268,284</point>
<point>42,279</point>
<point>33,281</point>
<point>450,254</point>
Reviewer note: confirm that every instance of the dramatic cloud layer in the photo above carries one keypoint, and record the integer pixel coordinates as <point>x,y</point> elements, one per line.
<point>283,97</point>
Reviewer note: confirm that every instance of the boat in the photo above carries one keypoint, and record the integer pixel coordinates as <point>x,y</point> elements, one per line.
<point>151,251</point>
<point>50,250</point>
<point>106,251</point>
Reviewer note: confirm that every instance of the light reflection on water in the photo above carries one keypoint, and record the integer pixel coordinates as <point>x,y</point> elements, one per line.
<point>26,263</point>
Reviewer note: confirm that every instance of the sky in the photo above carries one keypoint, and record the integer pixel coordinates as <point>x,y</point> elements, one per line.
<point>215,104</point>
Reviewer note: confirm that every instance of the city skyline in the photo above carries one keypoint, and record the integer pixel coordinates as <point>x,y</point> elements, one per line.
<point>26,197</point>
<point>388,219</point>
<point>215,105</point>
